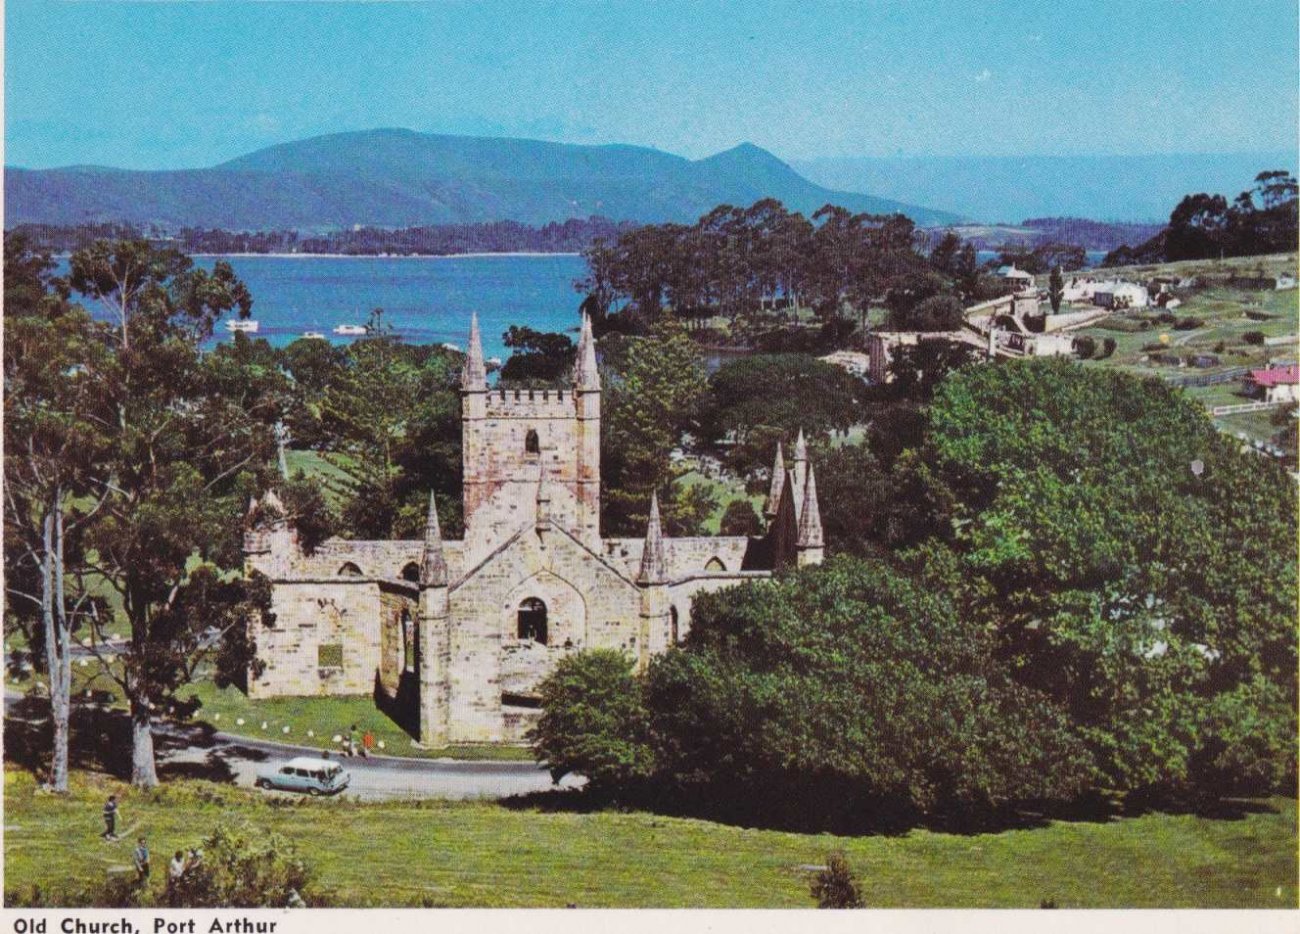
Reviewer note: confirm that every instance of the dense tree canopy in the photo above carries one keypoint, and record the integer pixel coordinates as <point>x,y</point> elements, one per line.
<point>1143,569</point>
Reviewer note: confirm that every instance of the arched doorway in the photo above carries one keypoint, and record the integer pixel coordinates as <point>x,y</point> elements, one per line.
<point>531,443</point>
<point>532,620</point>
<point>411,572</point>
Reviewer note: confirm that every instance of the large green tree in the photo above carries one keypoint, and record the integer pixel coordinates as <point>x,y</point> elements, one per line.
<point>188,435</point>
<point>848,693</point>
<point>1142,569</point>
<point>653,389</point>
<point>54,458</point>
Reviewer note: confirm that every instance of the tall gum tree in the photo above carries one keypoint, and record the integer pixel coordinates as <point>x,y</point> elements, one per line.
<point>54,451</point>
<point>189,431</point>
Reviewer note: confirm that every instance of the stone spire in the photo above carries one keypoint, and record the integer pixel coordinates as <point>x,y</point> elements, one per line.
<point>585,374</point>
<point>474,376</point>
<point>799,473</point>
<point>810,517</point>
<point>653,566</point>
<point>433,564</point>
<point>778,481</point>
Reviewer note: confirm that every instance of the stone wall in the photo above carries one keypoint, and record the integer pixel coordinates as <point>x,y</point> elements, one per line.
<point>324,639</point>
<point>589,604</point>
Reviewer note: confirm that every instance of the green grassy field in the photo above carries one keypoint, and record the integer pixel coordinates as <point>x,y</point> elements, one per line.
<point>314,721</point>
<point>488,855</point>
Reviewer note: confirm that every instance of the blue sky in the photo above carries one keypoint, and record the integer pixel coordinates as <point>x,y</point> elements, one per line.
<point>175,85</point>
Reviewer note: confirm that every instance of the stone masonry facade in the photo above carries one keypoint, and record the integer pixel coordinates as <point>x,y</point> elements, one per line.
<point>461,633</point>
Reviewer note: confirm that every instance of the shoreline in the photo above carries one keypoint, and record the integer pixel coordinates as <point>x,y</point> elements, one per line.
<point>520,253</point>
<point>515,254</point>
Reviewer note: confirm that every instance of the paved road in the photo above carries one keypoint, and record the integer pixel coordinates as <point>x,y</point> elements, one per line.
<point>375,779</point>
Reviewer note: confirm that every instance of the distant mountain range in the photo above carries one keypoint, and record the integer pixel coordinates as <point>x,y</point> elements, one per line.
<point>1008,189</point>
<point>400,178</point>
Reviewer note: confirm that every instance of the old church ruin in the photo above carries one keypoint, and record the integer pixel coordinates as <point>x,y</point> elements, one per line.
<point>464,631</point>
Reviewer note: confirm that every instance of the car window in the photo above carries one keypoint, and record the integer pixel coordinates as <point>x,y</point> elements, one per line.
<point>286,771</point>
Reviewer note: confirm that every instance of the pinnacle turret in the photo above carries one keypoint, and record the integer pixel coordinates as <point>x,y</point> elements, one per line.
<point>778,481</point>
<point>800,448</point>
<point>433,563</point>
<point>653,566</point>
<point>810,517</point>
<point>585,374</point>
<point>474,376</point>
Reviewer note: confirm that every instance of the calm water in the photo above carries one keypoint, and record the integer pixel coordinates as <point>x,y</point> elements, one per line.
<point>427,300</point>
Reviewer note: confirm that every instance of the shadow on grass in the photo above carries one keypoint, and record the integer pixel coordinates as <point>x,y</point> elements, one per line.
<point>815,813</point>
<point>403,706</point>
<point>100,741</point>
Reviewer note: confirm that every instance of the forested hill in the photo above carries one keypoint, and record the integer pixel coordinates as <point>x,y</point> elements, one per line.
<point>400,178</point>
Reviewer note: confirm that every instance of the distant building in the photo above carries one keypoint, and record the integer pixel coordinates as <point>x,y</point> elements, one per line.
<point>858,364</point>
<point>1018,279</point>
<point>1276,383</point>
<point>1115,295</point>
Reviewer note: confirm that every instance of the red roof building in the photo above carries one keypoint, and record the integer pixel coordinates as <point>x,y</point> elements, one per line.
<point>1279,383</point>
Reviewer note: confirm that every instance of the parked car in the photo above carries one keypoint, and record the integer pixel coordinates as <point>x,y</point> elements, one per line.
<point>314,776</point>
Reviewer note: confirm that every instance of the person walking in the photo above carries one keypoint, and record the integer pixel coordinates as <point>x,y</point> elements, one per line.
<point>352,740</point>
<point>141,859</point>
<point>110,818</point>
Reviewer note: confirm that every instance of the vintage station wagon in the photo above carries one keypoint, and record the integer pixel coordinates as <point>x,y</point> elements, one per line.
<point>314,776</point>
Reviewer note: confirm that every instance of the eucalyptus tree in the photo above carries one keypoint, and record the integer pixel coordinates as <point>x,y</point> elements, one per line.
<point>54,421</point>
<point>188,437</point>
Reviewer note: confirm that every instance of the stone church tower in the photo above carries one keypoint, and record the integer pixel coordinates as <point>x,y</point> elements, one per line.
<point>453,637</point>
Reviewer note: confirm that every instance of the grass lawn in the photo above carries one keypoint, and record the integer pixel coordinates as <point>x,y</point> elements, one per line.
<point>323,718</point>
<point>485,854</point>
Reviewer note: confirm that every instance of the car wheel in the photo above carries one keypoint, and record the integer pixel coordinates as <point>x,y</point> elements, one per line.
<point>262,783</point>
<point>314,792</point>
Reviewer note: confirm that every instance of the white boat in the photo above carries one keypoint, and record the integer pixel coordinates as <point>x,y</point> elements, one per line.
<point>247,327</point>
<point>313,336</point>
<point>350,330</point>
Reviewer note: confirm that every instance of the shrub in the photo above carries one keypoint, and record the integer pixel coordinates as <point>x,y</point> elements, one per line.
<point>594,722</point>
<point>241,866</point>
<point>1188,324</point>
<point>936,313</point>
<point>1166,317</point>
<point>1220,347</point>
<point>797,701</point>
<point>1108,346</point>
<point>835,886</point>
<point>1085,347</point>
<point>1253,337</point>
<point>740,518</point>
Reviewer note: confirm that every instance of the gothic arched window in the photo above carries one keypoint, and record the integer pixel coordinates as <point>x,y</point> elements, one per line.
<point>531,443</point>
<point>532,620</point>
<point>408,643</point>
<point>349,570</point>
<point>674,624</point>
<point>411,572</point>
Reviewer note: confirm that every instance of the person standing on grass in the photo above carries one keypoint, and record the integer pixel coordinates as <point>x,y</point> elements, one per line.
<point>175,872</point>
<point>367,743</point>
<point>141,859</point>
<point>352,740</point>
<point>110,818</point>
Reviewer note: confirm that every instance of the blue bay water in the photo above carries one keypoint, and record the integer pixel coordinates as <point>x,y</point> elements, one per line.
<point>427,300</point>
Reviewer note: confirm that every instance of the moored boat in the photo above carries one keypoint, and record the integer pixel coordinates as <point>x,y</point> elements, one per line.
<point>246,327</point>
<point>350,330</point>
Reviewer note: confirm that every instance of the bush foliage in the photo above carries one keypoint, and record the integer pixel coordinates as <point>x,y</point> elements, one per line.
<point>1088,590</point>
